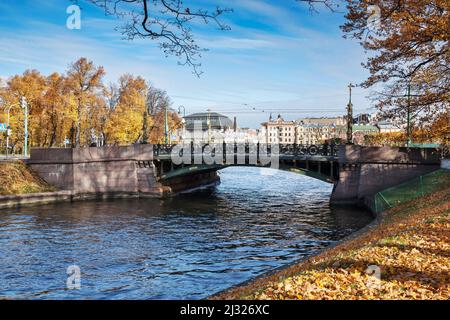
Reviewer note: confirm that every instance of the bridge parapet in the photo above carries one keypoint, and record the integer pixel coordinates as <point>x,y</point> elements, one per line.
<point>399,155</point>
<point>141,152</point>
<point>319,161</point>
<point>325,150</point>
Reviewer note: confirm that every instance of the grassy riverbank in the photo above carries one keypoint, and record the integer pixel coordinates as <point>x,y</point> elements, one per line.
<point>17,178</point>
<point>410,246</point>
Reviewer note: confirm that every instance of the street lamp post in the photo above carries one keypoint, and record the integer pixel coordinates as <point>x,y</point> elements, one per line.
<point>408,118</point>
<point>184,111</point>
<point>8,127</point>
<point>209,124</point>
<point>183,120</point>
<point>183,124</point>
<point>8,133</point>
<point>350,116</point>
<point>413,87</point>
<point>24,105</point>
<point>8,130</point>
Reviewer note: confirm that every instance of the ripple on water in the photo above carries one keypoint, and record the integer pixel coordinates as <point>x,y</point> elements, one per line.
<point>185,247</point>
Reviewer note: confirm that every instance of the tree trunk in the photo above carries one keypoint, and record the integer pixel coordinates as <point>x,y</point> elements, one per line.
<point>54,128</point>
<point>71,134</point>
<point>145,136</point>
<point>78,129</point>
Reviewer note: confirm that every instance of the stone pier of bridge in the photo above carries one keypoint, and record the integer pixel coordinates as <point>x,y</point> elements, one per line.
<point>109,171</point>
<point>365,171</point>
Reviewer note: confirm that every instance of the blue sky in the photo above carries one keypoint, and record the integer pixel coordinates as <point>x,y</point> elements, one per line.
<point>277,58</point>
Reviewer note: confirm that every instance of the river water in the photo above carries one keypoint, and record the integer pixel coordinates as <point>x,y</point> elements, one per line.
<point>185,247</point>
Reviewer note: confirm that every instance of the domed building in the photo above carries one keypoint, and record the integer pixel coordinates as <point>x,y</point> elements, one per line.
<point>205,120</point>
<point>206,127</point>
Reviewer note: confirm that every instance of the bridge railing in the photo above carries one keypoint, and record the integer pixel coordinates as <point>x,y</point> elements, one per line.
<point>420,186</point>
<point>325,150</point>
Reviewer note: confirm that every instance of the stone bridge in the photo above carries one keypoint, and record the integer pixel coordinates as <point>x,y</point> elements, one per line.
<point>356,172</point>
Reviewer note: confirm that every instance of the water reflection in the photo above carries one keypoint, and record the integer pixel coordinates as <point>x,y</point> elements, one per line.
<point>188,246</point>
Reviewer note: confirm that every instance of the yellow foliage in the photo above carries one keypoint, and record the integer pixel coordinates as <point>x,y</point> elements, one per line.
<point>77,105</point>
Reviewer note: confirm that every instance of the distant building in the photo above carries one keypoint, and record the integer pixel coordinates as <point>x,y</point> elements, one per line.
<point>208,120</point>
<point>318,130</point>
<point>206,127</point>
<point>362,119</point>
<point>298,132</point>
<point>279,131</point>
<point>359,132</point>
<point>327,121</point>
<point>367,129</point>
<point>314,133</point>
<point>213,127</point>
<point>241,135</point>
<point>388,127</point>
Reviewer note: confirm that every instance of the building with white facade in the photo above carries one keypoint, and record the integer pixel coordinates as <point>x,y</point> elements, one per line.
<point>388,127</point>
<point>297,132</point>
<point>326,121</point>
<point>279,131</point>
<point>314,133</point>
<point>206,127</point>
<point>306,132</point>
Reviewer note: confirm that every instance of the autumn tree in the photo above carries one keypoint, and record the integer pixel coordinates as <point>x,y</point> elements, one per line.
<point>31,85</point>
<point>126,118</point>
<point>157,129</point>
<point>438,131</point>
<point>86,83</point>
<point>410,47</point>
<point>111,95</point>
<point>58,110</point>
<point>157,101</point>
<point>77,105</point>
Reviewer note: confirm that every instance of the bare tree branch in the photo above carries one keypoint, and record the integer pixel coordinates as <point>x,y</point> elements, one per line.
<point>168,21</point>
<point>332,5</point>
